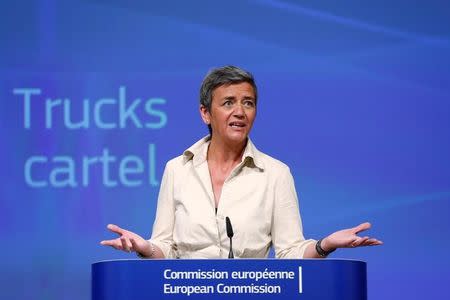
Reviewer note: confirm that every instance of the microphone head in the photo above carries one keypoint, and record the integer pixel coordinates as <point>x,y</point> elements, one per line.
<point>229,228</point>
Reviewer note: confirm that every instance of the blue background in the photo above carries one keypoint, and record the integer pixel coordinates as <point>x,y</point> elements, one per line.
<point>353,96</point>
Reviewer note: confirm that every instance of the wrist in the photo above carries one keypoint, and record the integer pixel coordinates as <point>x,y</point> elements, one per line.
<point>149,251</point>
<point>325,244</point>
<point>323,251</point>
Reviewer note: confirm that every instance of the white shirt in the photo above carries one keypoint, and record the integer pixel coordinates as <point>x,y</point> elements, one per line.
<point>259,197</point>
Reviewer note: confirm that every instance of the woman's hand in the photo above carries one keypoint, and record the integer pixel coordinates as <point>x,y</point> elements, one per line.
<point>128,241</point>
<point>348,238</point>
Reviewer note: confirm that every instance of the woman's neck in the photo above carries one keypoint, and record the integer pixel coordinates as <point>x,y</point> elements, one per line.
<point>224,153</point>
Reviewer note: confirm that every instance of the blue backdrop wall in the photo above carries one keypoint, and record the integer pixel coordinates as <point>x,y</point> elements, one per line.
<point>97,95</point>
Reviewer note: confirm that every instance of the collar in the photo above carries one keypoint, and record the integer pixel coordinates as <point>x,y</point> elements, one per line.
<point>251,157</point>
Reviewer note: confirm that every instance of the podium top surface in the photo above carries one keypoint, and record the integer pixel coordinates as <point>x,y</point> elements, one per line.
<point>236,259</point>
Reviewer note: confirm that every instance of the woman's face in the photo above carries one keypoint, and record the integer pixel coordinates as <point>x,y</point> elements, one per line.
<point>233,110</point>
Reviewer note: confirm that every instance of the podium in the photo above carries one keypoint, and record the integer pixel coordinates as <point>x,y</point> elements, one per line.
<point>306,279</point>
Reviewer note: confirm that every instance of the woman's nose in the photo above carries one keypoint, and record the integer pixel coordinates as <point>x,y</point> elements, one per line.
<point>239,110</point>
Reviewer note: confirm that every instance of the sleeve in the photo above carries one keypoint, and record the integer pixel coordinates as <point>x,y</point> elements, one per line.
<point>287,230</point>
<point>162,234</point>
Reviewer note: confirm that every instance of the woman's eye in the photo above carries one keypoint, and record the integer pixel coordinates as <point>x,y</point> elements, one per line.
<point>249,103</point>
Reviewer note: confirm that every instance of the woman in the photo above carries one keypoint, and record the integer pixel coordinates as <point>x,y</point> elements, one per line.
<point>224,175</point>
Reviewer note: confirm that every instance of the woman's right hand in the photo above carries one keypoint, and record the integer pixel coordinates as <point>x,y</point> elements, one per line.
<point>128,241</point>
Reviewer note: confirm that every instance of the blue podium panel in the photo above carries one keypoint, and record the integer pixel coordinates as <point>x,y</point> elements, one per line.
<point>317,279</point>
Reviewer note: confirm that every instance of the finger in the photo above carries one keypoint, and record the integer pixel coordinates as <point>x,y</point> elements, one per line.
<point>360,241</point>
<point>125,245</point>
<point>375,242</point>
<point>372,242</point>
<point>115,228</point>
<point>134,245</point>
<point>361,227</point>
<point>112,243</point>
<point>106,243</point>
<point>349,243</point>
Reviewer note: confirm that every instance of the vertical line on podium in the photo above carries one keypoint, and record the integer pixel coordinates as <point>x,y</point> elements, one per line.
<point>300,281</point>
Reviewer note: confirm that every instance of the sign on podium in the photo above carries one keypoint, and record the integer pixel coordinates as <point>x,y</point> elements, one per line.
<point>317,279</point>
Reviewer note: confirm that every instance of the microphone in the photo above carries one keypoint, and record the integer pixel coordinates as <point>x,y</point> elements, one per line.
<point>230,235</point>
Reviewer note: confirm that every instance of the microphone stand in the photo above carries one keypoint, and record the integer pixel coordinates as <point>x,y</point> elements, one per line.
<point>230,236</point>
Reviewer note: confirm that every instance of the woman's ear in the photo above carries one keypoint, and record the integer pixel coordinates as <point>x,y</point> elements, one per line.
<point>205,114</point>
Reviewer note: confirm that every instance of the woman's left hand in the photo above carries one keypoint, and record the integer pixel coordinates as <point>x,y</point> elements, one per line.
<point>348,238</point>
